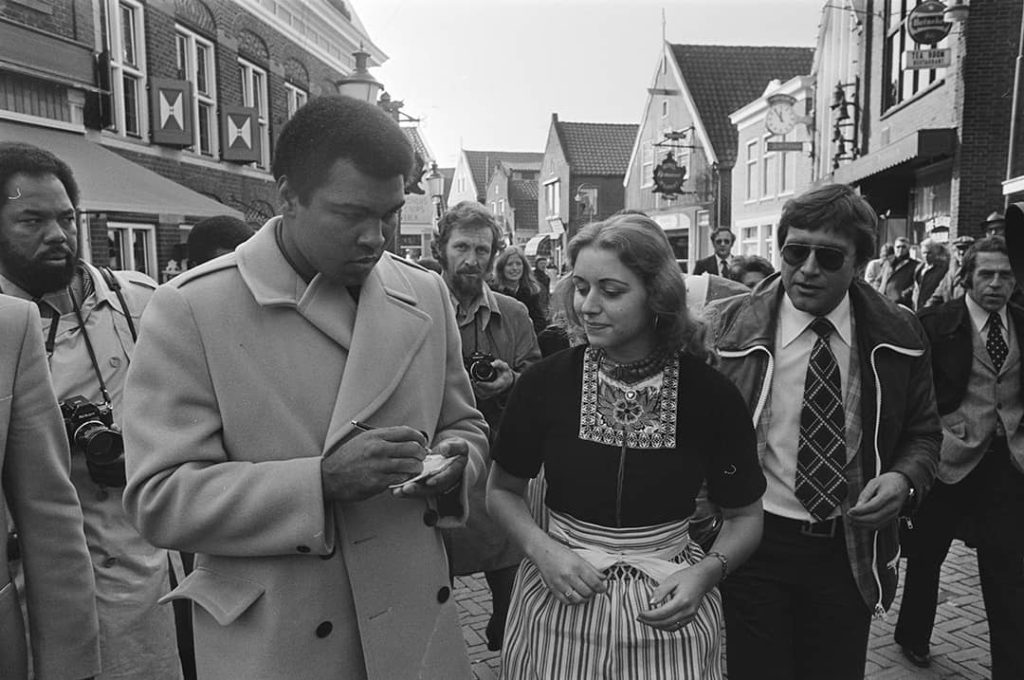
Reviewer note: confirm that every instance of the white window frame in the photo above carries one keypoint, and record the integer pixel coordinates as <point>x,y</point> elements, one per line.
<point>129,230</point>
<point>553,197</point>
<point>204,102</point>
<point>255,93</point>
<point>751,185</point>
<point>769,184</point>
<point>296,98</point>
<point>121,69</point>
<point>750,240</point>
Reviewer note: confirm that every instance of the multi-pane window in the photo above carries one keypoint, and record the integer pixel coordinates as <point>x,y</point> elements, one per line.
<point>127,65</point>
<point>900,84</point>
<point>296,98</point>
<point>196,64</point>
<point>553,197</point>
<point>752,170</point>
<point>254,94</point>
<point>132,246</point>
<point>768,171</point>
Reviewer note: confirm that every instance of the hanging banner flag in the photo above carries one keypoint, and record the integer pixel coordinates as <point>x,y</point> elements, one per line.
<point>240,137</point>
<point>170,107</point>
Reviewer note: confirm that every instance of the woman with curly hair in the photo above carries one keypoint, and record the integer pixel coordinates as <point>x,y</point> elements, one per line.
<point>512,276</point>
<point>627,426</point>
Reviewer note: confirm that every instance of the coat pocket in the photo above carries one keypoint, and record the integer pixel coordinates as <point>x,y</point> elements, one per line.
<point>224,597</point>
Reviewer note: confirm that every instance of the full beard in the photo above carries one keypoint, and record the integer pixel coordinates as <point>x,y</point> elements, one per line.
<point>36,278</point>
<point>467,286</point>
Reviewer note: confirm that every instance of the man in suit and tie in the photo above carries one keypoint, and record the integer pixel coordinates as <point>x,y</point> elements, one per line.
<point>977,345</point>
<point>717,263</point>
<point>838,385</point>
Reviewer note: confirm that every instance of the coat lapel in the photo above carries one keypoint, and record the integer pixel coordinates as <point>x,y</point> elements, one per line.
<point>389,329</point>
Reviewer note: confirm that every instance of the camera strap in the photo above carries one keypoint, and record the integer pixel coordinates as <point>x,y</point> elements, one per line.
<point>115,285</point>
<point>92,352</point>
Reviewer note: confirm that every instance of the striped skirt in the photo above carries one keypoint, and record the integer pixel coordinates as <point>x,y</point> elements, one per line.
<point>601,638</point>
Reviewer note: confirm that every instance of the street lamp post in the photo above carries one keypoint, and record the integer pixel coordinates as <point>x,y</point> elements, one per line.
<point>360,84</point>
<point>435,187</point>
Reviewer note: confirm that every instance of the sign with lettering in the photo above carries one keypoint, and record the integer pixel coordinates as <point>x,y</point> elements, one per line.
<point>926,23</point>
<point>669,176</point>
<point>926,59</point>
<point>784,146</point>
<point>170,106</point>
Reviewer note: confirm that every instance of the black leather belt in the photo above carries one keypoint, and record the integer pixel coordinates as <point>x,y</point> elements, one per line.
<point>830,528</point>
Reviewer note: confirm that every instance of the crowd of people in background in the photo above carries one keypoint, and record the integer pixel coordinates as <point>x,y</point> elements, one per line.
<point>302,440</point>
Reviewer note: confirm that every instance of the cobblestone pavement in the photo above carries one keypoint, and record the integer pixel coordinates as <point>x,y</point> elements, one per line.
<point>959,644</point>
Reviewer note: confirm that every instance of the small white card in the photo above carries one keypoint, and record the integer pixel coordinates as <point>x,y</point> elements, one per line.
<point>433,464</point>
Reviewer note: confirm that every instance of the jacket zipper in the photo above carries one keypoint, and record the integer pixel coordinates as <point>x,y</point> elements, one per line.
<point>879,609</point>
<point>766,380</point>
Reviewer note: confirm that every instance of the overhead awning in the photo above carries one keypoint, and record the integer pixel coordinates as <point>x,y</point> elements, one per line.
<point>110,183</point>
<point>534,243</point>
<point>922,146</point>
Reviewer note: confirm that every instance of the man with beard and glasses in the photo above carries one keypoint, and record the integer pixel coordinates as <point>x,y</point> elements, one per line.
<point>89,318</point>
<point>287,398</point>
<point>498,342</point>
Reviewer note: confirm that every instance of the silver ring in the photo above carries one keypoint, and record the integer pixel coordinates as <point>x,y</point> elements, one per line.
<point>569,593</point>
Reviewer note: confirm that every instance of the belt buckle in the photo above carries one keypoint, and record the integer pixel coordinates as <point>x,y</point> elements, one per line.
<point>826,529</point>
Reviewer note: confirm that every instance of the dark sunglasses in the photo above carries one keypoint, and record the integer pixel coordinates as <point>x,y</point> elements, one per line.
<point>830,259</point>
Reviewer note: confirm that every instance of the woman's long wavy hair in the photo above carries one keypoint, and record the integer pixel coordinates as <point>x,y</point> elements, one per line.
<point>642,247</point>
<point>502,283</point>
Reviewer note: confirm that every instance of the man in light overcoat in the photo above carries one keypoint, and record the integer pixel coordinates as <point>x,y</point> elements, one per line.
<point>283,397</point>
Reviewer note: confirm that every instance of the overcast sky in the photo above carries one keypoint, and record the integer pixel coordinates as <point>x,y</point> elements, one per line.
<point>488,74</point>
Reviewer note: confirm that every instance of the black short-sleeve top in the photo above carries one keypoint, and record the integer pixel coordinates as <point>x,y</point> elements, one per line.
<point>628,456</point>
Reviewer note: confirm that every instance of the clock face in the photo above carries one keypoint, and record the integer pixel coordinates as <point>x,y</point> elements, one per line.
<point>780,118</point>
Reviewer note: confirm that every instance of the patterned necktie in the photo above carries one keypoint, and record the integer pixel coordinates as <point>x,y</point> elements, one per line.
<point>723,269</point>
<point>821,452</point>
<point>996,345</point>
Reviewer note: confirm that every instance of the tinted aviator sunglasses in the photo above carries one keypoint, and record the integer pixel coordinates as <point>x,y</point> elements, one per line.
<point>830,259</point>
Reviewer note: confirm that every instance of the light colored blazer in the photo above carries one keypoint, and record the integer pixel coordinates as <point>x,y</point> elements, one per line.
<point>243,377</point>
<point>59,585</point>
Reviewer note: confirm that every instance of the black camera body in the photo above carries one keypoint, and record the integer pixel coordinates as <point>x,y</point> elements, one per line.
<point>478,365</point>
<point>91,430</point>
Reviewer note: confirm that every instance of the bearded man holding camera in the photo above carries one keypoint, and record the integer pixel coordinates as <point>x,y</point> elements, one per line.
<point>89,321</point>
<point>498,343</point>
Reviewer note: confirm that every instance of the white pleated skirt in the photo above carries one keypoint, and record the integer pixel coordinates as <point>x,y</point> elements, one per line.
<point>601,638</point>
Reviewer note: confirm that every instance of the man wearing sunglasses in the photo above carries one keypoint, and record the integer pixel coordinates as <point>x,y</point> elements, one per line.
<point>718,262</point>
<point>838,382</point>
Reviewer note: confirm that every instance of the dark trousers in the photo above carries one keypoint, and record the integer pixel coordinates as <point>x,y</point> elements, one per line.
<point>793,611</point>
<point>992,496</point>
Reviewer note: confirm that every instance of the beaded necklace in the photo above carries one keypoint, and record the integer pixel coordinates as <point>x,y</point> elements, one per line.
<point>634,371</point>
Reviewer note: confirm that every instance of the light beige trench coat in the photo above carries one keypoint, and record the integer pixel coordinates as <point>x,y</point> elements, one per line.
<point>59,587</point>
<point>243,377</point>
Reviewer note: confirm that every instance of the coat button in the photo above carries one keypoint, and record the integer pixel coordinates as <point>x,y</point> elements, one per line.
<point>109,562</point>
<point>430,517</point>
<point>115,362</point>
<point>324,629</point>
<point>443,594</point>
<point>303,548</point>
<point>102,494</point>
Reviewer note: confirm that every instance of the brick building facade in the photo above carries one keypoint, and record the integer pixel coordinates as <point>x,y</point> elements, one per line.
<point>95,89</point>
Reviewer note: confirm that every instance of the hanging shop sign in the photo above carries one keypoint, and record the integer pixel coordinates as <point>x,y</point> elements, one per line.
<point>926,59</point>
<point>170,106</point>
<point>669,176</point>
<point>926,23</point>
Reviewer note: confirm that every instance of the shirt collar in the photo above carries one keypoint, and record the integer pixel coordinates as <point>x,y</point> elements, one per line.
<point>980,317</point>
<point>793,322</point>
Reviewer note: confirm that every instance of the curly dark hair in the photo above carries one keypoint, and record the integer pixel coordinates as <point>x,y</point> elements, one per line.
<point>19,158</point>
<point>329,129</point>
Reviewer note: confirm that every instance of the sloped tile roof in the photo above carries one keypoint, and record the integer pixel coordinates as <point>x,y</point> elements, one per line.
<point>522,195</point>
<point>482,164</point>
<point>597,148</point>
<point>418,145</point>
<point>723,78</point>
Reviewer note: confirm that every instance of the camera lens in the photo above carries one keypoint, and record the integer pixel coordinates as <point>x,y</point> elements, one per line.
<point>101,445</point>
<point>482,371</point>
